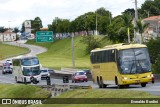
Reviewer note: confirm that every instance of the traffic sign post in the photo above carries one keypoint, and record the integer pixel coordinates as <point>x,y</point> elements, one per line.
<point>44,36</point>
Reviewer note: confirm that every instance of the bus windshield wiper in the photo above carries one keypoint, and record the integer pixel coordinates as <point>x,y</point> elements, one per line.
<point>131,68</point>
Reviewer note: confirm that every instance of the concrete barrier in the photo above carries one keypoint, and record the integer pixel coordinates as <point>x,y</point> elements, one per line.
<point>70,70</point>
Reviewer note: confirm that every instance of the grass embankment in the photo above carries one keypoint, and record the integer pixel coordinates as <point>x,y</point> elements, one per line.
<point>94,93</point>
<point>22,91</point>
<point>59,53</point>
<point>9,51</point>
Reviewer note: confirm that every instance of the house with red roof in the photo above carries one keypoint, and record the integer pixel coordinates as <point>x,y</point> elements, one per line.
<point>153,29</point>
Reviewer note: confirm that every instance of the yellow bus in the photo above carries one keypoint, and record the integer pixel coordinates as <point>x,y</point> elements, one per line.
<point>121,64</point>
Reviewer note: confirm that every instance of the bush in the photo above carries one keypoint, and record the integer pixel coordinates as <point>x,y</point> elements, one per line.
<point>92,42</point>
<point>154,52</point>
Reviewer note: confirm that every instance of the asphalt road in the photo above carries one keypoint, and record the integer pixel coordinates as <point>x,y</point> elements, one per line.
<point>151,88</point>
<point>34,50</point>
<point>9,78</point>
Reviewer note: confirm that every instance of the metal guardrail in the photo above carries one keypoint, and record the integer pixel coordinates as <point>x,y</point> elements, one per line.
<point>70,70</point>
<point>57,89</point>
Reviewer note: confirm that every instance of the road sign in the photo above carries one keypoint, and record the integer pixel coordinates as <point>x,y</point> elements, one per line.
<point>44,36</point>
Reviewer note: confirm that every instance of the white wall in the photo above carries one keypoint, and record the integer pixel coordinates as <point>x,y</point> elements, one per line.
<point>8,36</point>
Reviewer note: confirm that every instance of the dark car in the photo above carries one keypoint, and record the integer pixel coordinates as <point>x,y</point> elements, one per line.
<point>87,71</point>
<point>79,76</point>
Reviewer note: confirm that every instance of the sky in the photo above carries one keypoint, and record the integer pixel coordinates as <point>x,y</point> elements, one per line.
<point>14,12</point>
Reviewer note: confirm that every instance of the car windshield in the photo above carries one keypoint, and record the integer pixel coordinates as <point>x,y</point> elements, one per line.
<point>6,67</point>
<point>31,71</point>
<point>30,61</point>
<point>134,61</point>
<point>44,70</point>
<point>79,73</point>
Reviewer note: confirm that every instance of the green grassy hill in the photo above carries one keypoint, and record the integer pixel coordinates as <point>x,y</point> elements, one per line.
<point>59,53</point>
<point>9,51</point>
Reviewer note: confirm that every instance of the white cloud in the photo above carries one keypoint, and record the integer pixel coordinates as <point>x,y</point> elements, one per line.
<point>17,11</point>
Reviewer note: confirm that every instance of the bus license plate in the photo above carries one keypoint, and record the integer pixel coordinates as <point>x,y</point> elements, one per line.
<point>137,81</point>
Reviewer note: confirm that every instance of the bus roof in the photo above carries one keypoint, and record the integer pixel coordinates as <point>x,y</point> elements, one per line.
<point>120,47</point>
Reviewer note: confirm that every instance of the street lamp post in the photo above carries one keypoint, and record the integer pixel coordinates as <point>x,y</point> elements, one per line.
<point>9,26</point>
<point>73,61</point>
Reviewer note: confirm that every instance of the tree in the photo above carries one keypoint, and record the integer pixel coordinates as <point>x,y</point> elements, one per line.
<point>140,27</point>
<point>91,42</point>
<point>154,52</point>
<point>23,28</point>
<point>2,29</point>
<point>36,24</point>
<point>16,30</point>
<point>150,7</point>
<point>127,20</point>
<point>60,25</point>
<point>104,19</point>
<point>129,11</point>
<point>113,30</point>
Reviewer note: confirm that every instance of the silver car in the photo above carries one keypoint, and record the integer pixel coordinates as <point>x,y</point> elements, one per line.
<point>6,69</point>
<point>45,73</point>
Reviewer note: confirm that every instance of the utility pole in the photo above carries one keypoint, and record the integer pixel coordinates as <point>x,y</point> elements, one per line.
<point>73,61</point>
<point>135,19</point>
<point>96,24</point>
<point>9,26</point>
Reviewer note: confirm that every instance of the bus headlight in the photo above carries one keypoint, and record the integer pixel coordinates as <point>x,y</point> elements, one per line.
<point>125,78</point>
<point>48,74</point>
<point>150,76</point>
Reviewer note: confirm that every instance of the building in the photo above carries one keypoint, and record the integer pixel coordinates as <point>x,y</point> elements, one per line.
<point>7,36</point>
<point>153,29</point>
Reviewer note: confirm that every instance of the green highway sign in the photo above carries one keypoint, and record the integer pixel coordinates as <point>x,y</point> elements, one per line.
<point>44,36</point>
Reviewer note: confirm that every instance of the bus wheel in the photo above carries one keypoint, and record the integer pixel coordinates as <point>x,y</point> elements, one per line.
<point>126,86</point>
<point>119,86</point>
<point>16,80</point>
<point>102,84</point>
<point>143,84</point>
<point>98,82</point>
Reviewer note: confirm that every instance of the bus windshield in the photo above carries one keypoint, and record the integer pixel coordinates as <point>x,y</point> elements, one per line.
<point>30,61</point>
<point>31,71</point>
<point>134,61</point>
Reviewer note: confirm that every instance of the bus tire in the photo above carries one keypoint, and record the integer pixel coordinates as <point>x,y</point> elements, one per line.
<point>102,84</point>
<point>98,82</point>
<point>116,82</point>
<point>16,79</point>
<point>120,86</point>
<point>143,84</point>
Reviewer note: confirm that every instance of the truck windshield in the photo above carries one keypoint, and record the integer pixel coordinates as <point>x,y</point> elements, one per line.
<point>134,61</point>
<point>30,61</point>
<point>31,71</point>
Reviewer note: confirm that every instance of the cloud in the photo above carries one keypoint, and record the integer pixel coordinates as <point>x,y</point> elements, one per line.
<point>17,11</point>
